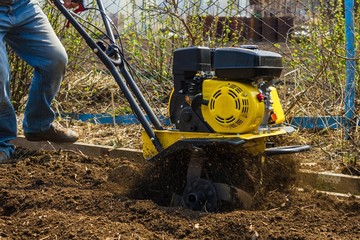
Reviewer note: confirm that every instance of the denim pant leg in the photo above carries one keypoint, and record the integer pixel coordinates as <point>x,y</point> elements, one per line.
<point>34,40</point>
<point>8,127</point>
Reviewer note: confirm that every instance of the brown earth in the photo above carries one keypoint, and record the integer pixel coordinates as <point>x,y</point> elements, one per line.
<point>66,195</point>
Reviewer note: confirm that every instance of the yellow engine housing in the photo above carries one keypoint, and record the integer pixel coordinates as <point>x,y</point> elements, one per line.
<point>232,106</point>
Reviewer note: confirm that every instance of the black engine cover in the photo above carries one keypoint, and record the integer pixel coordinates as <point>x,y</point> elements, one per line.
<point>246,64</point>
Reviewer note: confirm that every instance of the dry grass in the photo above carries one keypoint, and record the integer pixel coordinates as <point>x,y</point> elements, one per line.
<point>329,150</point>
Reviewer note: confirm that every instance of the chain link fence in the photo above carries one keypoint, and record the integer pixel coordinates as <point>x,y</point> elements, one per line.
<point>310,35</point>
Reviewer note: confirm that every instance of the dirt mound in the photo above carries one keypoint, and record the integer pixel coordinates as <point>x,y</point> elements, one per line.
<point>65,195</point>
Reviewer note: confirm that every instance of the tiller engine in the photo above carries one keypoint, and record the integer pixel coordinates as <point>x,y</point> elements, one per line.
<point>223,104</point>
<point>222,110</point>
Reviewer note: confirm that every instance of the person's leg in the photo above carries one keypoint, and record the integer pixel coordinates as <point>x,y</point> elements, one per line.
<point>34,40</point>
<point>8,127</point>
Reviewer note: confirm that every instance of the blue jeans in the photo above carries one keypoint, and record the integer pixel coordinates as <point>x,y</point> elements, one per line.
<point>26,29</point>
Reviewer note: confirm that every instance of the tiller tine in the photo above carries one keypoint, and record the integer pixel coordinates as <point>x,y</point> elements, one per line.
<point>232,194</point>
<point>202,194</point>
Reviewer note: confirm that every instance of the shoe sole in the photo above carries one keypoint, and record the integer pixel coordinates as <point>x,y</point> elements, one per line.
<point>39,139</point>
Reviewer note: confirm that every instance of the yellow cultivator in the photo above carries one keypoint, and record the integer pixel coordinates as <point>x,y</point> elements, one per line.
<point>223,108</point>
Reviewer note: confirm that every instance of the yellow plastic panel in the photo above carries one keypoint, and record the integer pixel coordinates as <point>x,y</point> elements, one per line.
<point>232,106</point>
<point>278,110</point>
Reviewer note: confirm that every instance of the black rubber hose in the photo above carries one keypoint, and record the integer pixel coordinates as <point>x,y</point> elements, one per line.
<point>286,149</point>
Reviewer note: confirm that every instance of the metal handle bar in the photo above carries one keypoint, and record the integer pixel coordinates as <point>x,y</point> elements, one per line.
<point>118,78</point>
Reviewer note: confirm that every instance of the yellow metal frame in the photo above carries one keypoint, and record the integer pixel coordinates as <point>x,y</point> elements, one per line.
<point>255,142</point>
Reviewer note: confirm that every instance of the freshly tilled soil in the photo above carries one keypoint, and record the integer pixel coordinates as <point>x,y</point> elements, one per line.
<point>66,195</point>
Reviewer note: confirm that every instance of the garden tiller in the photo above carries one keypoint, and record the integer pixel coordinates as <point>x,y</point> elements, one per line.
<point>222,109</point>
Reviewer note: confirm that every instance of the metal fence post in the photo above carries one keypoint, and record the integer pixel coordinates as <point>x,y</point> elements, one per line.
<point>350,67</point>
